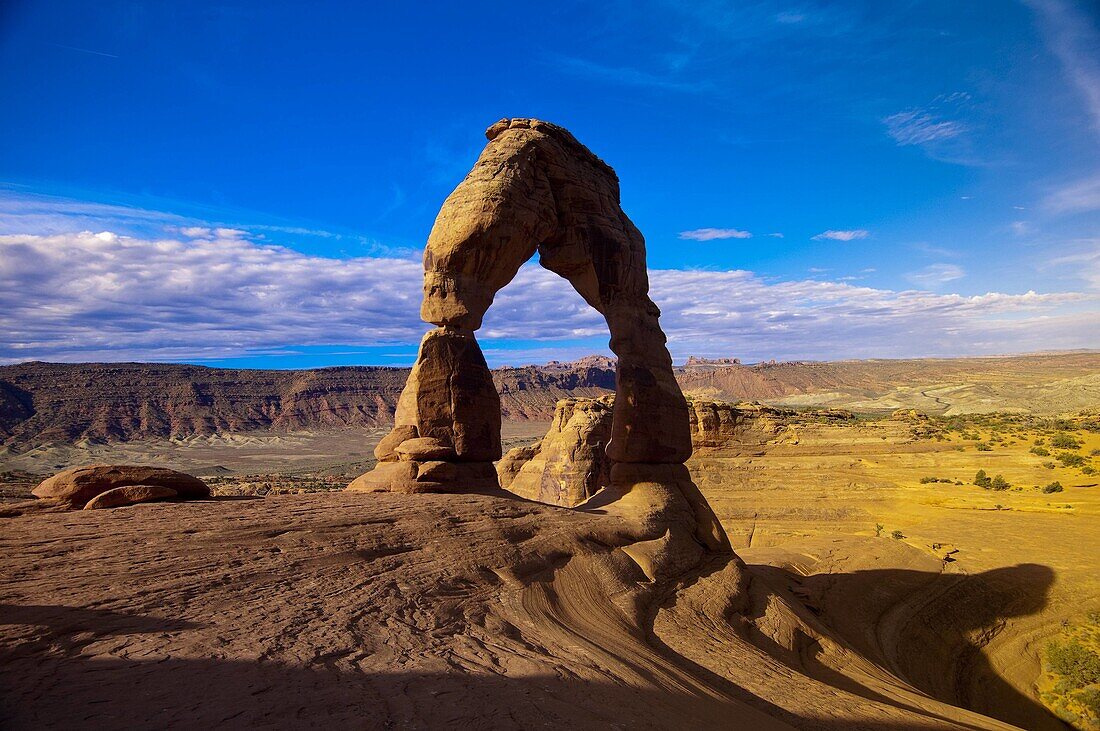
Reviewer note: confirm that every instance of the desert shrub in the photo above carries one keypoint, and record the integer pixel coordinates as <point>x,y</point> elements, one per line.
<point>1039,451</point>
<point>1069,459</point>
<point>926,480</point>
<point>897,535</point>
<point>1040,442</point>
<point>999,483</point>
<point>1064,441</point>
<point>1053,487</point>
<point>1075,662</point>
<point>1094,452</point>
<point>983,447</point>
<point>981,479</point>
<point>878,529</point>
<point>1048,465</point>
<point>1088,470</point>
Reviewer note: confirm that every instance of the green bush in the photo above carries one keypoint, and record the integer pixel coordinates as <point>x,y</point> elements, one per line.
<point>1040,452</point>
<point>999,483</point>
<point>1088,470</point>
<point>1064,441</point>
<point>1052,487</point>
<point>1074,662</point>
<point>983,447</point>
<point>981,479</point>
<point>1069,459</point>
<point>1048,465</point>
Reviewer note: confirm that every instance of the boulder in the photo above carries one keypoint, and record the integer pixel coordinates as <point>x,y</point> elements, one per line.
<point>130,495</point>
<point>76,486</point>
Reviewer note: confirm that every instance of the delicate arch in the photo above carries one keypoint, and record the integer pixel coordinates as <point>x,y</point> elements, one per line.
<point>534,188</point>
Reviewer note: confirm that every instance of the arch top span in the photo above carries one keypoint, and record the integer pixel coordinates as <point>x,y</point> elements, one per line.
<point>534,188</point>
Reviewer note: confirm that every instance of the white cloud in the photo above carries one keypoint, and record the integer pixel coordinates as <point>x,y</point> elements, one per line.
<point>776,235</point>
<point>936,274</point>
<point>850,235</point>
<point>918,127</point>
<point>196,232</point>
<point>169,299</point>
<point>710,234</point>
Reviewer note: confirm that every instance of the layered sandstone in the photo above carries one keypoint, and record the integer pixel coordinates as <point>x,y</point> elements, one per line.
<point>570,464</point>
<point>735,429</point>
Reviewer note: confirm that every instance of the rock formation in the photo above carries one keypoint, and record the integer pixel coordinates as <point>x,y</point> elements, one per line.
<point>77,486</point>
<point>741,429</point>
<point>535,188</point>
<point>570,464</point>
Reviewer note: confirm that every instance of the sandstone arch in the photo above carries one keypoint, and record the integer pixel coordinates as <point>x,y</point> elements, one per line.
<point>534,188</point>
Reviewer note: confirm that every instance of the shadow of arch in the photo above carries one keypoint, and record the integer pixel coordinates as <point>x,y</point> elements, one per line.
<point>929,628</point>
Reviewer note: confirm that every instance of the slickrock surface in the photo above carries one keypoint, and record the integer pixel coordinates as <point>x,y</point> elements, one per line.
<point>386,611</point>
<point>570,465</point>
<point>78,485</point>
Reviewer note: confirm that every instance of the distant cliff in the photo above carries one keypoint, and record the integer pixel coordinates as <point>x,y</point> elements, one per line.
<point>42,403</point>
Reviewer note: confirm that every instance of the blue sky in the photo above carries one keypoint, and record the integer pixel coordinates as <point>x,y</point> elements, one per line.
<point>857,179</point>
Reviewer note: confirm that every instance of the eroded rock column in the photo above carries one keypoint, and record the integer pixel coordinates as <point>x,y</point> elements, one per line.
<point>447,424</point>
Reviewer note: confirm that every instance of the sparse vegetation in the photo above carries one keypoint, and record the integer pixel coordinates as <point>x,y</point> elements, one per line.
<point>1039,451</point>
<point>983,447</point>
<point>1052,487</point>
<point>878,529</point>
<point>927,480</point>
<point>897,535</point>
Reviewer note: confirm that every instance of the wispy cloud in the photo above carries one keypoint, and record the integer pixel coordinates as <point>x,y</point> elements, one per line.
<point>1021,228</point>
<point>917,127</point>
<point>710,234</point>
<point>1073,37</point>
<point>934,275</point>
<point>843,235</point>
<point>776,235</point>
<point>84,50</point>
<point>186,299</point>
<point>1076,197</point>
<point>672,80</point>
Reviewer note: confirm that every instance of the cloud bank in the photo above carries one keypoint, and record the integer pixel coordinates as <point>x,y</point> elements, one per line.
<point>102,296</point>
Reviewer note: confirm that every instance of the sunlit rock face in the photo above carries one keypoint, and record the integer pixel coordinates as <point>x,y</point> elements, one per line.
<point>570,464</point>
